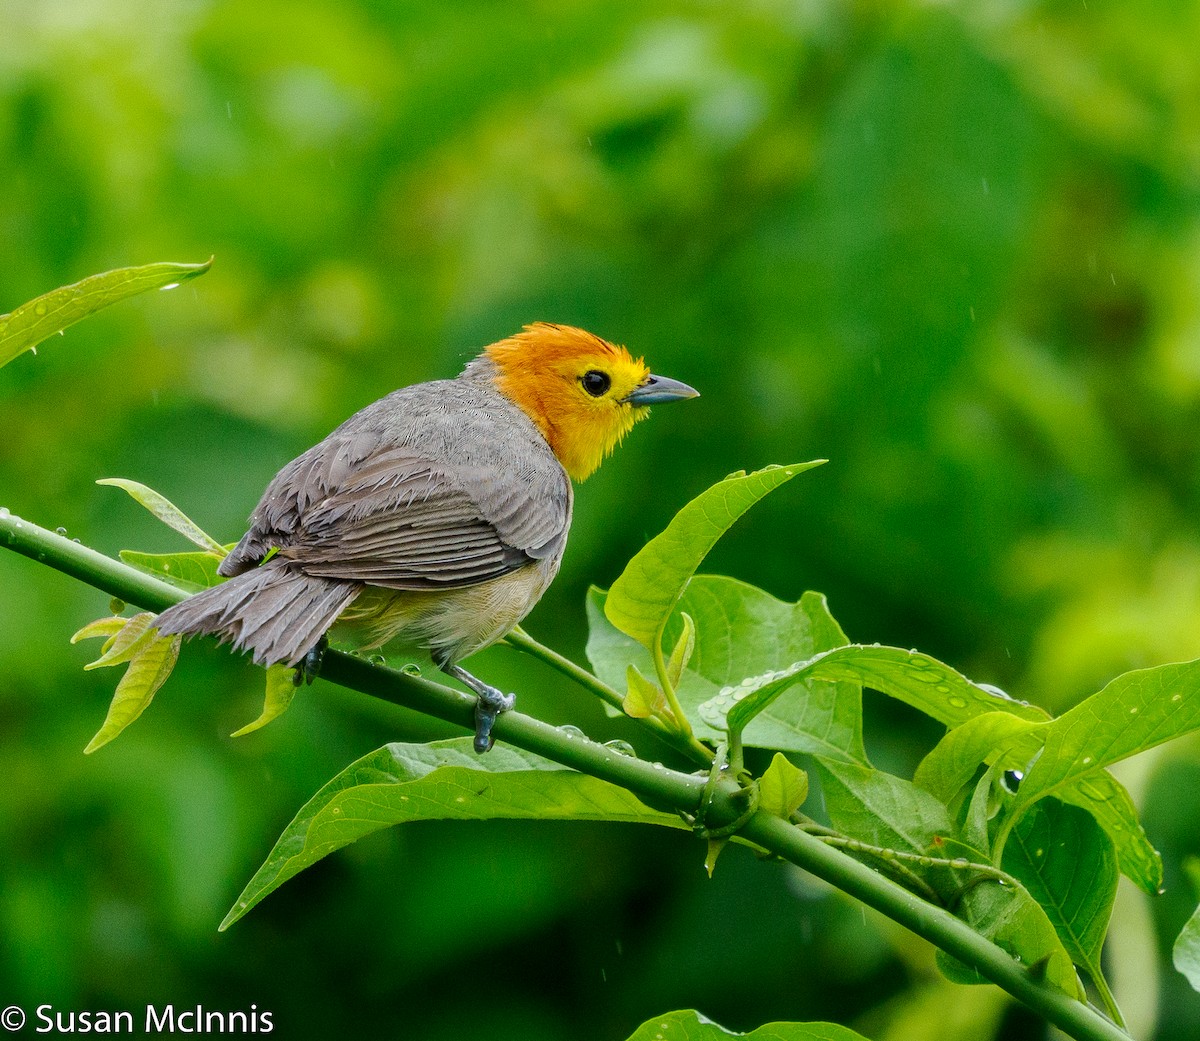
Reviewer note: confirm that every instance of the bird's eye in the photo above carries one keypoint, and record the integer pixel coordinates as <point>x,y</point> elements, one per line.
<point>595,382</point>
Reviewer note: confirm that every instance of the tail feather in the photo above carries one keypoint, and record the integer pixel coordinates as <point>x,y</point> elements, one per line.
<point>274,611</point>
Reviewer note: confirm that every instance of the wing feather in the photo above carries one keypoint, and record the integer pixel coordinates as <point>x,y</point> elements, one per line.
<point>432,504</point>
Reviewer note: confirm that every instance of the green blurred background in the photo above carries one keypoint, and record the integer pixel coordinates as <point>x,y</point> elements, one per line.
<point>953,248</point>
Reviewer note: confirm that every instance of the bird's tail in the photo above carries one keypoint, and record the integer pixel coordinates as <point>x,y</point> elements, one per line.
<point>274,611</point>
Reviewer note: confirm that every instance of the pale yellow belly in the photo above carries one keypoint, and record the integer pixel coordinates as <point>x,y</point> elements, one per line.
<point>452,623</point>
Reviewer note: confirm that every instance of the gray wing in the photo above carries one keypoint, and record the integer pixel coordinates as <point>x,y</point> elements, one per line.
<point>362,508</point>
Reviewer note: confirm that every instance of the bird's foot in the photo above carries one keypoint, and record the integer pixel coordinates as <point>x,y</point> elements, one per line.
<point>490,704</point>
<point>310,665</point>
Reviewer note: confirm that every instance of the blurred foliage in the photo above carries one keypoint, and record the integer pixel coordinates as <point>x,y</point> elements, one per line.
<point>955,249</point>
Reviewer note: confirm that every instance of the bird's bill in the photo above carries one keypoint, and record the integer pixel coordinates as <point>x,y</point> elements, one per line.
<point>658,389</point>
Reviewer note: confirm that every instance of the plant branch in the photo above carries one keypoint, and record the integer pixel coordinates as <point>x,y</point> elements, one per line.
<point>660,788</point>
<point>520,640</point>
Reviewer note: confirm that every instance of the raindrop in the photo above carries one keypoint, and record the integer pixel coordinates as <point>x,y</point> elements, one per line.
<point>621,747</point>
<point>116,605</point>
<point>39,310</point>
<point>410,668</point>
<point>1093,791</point>
<point>956,701</point>
<point>60,531</point>
<point>1177,697</point>
<point>377,659</point>
<point>571,732</point>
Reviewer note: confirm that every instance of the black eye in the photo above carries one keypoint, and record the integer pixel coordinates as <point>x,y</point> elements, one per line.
<point>595,382</point>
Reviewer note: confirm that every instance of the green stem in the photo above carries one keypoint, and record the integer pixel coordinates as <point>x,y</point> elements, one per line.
<point>668,688</point>
<point>520,640</point>
<point>63,554</point>
<point>936,925</point>
<point>1106,997</point>
<point>660,788</point>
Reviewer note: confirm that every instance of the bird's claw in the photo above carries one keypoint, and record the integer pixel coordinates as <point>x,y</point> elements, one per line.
<point>488,706</point>
<point>310,665</point>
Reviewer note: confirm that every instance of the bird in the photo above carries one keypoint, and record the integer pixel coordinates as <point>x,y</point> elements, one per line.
<point>433,519</point>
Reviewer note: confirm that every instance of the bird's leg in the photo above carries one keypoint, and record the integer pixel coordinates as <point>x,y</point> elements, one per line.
<point>310,665</point>
<point>489,705</point>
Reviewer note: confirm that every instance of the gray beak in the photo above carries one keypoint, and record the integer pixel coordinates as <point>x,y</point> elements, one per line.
<point>658,389</point>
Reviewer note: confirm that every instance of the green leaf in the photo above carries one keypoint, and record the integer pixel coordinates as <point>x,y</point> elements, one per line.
<point>167,512</point>
<point>41,318</point>
<point>148,670</point>
<point>783,787</point>
<point>982,809</point>
<point>1107,800</point>
<point>1186,953</point>
<point>1012,919</point>
<point>691,1026</point>
<point>741,631</point>
<point>951,764</point>
<point>643,698</point>
<point>645,593</point>
<point>444,780</point>
<point>1012,743</point>
<point>909,676</point>
<point>1134,712</point>
<point>124,644</point>
<point>681,654</point>
<point>281,689</point>
<point>192,571</point>
<point>108,626</point>
<point>1069,866</point>
<point>714,850</point>
<point>881,809</point>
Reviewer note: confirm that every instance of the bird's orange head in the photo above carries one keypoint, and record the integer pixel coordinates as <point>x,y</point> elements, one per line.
<point>584,393</point>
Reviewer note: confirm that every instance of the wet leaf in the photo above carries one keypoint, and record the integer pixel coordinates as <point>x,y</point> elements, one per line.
<point>42,317</point>
<point>645,593</point>
<point>443,780</point>
<point>1069,866</point>
<point>167,512</point>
